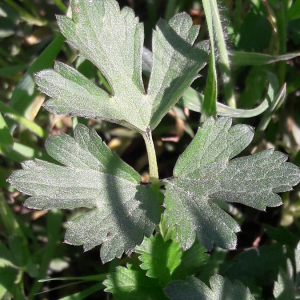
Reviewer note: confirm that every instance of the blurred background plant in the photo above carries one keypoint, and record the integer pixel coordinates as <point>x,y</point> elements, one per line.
<point>257,48</point>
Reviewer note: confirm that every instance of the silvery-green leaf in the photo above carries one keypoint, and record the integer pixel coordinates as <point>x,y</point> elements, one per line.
<point>176,63</point>
<point>220,288</point>
<point>112,39</point>
<point>204,172</point>
<point>123,211</point>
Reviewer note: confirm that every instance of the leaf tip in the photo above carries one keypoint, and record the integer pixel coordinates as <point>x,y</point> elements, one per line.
<point>9,180</point>
<point>67,242</point>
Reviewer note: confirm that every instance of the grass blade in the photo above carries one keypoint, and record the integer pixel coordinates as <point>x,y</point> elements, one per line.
<point>84,294</point>
<point>26,16</point>
<point>209,107</point>
<point>211,89</point>
<point>6,139</point>
<point>8,219</point>
<point>99,277</point>
<point>276,103</point>
<point>25,91</point>
<point>216,35</point>
<point>12,114</point>
<point>54,220</point>
<point>61,6</point>
<point>194,101</point>
<point>239,58</point>
<point>11,70</point>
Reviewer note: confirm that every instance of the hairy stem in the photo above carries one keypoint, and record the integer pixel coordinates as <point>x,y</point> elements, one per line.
<point>153,170</point>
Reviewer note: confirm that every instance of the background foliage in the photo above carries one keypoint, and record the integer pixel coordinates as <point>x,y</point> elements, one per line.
<point>31,245</point>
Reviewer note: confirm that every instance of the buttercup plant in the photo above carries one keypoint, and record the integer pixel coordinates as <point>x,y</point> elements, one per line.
<point>124,213</point>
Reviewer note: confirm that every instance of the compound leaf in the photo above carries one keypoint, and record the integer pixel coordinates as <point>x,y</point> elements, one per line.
<point>159,257</point>
<point>123,211</point>
<point>204,172</point>
<point>191,261</point>
<point>127,283</point>
<point>112,39</point>
<point>194,289</point>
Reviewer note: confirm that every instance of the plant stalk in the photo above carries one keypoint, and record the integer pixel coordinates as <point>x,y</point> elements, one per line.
<point>216,35</point>
<point>153,170</point>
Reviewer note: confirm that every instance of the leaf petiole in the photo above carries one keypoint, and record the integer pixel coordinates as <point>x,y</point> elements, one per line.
<point>153,170</point>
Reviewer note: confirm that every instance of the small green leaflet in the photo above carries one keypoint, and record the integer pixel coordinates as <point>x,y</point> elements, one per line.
<point>112,39</point>
<point>164,259</point>
<point>192,261</point>
<point>123,211</point>
<point>128,283</point>
<point>159,258</point>
<point>204,172</point>
<point>194,289</point>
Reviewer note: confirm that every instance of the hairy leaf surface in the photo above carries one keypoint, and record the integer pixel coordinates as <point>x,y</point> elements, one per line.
<point>122,210</point>
<point>112,39</point>
<point>204,172</point>
<point>220,288</point>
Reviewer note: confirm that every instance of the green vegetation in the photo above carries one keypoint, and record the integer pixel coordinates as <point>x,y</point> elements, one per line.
<point>138,172</point>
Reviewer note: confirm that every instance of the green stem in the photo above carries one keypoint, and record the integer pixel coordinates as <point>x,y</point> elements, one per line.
<point>216,35</point>
<point>224,57</point>
<point>153,170</point>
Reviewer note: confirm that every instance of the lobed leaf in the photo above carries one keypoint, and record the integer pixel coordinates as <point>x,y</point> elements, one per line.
<point>123,211</point>
<point>194,289</point>
<point>127,283</point>
<point>204,172</point>
<point>159,258</point>
<point>112,39</point>
<point>191,261</point>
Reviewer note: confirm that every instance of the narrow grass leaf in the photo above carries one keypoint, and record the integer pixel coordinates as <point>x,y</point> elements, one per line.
<point>6,139</point>
<point>217,40</point>
<point>239,58</point>
<point>8,71</point>
<point>100,277</point>
<point>24,92</point>
<point>85,293</point>
<point>54,222</point>
<point>209,106</point>
<point>275,104</point>
<point>14,115</point>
